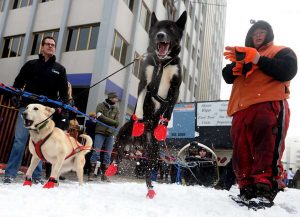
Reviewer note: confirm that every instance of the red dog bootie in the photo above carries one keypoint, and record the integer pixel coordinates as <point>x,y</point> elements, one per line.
<point>151,193</point>
<point>138,126</point>
<point>160,132</point>
<point>111,170</point>
<point>51,183</point>
<point>28,181</point>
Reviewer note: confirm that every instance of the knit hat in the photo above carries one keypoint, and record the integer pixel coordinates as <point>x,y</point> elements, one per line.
<point>259,25</point>
<point>112,95</point>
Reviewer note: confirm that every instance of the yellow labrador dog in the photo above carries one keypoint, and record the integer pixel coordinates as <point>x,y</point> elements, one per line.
<point>49,143</point>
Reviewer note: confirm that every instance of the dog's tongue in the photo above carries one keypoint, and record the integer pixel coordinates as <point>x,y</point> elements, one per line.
<point>163,48</point>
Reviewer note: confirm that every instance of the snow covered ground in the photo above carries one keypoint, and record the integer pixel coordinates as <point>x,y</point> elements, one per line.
<point>126,198</point>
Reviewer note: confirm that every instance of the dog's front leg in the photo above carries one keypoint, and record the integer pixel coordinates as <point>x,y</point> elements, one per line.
<point>152,149</point>
<point>56,167</point>
<point>55,170</point>
<point>139,112</point>
<point>33,164</point>
<point>80,161</point>
<point>138,124</point>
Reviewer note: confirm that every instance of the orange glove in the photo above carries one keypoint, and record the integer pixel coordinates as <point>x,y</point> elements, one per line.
<point>246,54</point>
<point>238,69</point>
<point>254,67</point>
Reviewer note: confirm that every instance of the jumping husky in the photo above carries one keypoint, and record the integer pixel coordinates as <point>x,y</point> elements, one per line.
<point>158,92</point>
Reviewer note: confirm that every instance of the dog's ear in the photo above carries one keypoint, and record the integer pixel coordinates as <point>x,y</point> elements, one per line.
<point>182,20</point>
<point>153,19</point>
<point>49,111</point>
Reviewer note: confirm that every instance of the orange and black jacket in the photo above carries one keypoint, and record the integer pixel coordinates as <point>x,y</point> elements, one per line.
<point>282,67</point>
<point>270,82</point>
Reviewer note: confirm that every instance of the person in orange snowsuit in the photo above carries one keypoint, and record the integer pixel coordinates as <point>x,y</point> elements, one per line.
<point>260,73</point>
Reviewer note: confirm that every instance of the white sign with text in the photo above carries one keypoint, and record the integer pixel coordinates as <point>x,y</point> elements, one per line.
<point>213,114</point>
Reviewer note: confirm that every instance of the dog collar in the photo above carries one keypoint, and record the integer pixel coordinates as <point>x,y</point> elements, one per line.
<point>44,124</point>
<point>160,63</point>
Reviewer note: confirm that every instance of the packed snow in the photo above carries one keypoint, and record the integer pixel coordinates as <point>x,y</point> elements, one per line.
<point>127,198</point>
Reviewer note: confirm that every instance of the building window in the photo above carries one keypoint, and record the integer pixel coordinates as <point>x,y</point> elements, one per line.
<point>82,38</point>
<point>13,46</point>
<point>196,23</point>
<point>193,53</point>
<point>171,9</point>
<point>1,5</point>
<point>190,9</point>
<point>42,1</point>
<point>187,41</point>
<point>190,83</point>
<point>130,4</point>
<point>37,39</point>
<point>137,65</point>
<point>21,3</point>
<point>198,63</point>
<point>195,90</point>
<point>203,9</point>
<point>183,73</point>
<point>200,34</point>
<point>119,48</point>
<point>145,17</point>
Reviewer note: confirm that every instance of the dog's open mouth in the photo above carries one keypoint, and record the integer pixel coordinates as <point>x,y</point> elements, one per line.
<point>163,49</point>
<point>28,123</point>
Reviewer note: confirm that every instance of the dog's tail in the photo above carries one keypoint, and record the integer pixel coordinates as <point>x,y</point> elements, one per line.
<point>88,143</point>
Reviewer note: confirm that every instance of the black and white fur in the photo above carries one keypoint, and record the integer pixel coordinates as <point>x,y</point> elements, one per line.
<point>158,89</point>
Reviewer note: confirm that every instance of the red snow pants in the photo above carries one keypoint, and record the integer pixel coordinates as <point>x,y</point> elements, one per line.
<point>258,133</point>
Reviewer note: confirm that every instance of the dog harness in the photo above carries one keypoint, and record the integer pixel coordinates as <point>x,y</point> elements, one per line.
<point>152,87</point>
<point>38,147</point>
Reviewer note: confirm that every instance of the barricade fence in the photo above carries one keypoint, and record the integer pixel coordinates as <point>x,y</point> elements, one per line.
<point>8,116</point>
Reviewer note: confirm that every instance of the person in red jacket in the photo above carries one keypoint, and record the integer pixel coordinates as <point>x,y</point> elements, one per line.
<point>260,73</point>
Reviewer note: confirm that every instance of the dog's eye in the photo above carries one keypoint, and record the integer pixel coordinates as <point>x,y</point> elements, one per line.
<point>35,109</point>
<point>172,28</point>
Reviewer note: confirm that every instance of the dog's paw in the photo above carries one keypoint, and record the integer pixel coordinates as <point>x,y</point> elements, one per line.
<point>52,182</point>
<point>151,193</point>
<point>160,132</point>
<point>27,182</point>
<point>111,170</point>
<point>138,129</point>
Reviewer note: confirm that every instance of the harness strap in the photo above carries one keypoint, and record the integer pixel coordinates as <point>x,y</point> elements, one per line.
<point>158,71</point>
<point>38,147</point>
<point>159,99</point>
<point>78,149</point>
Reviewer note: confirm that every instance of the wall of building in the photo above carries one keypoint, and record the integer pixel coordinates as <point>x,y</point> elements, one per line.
<point>90,66</point>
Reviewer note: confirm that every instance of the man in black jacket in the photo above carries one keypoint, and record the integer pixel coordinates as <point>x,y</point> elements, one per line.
<point>42,76</point>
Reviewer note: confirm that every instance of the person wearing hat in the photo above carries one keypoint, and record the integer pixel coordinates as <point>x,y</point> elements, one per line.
<point>202,153</point>
<point>260,73</point>
<point>107,112</point>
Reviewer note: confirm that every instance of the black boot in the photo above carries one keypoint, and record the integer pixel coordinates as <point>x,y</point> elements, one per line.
<point>264,190</point>
<point>91,174</point>
<point>103,176</point>
<point>248,192</point>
